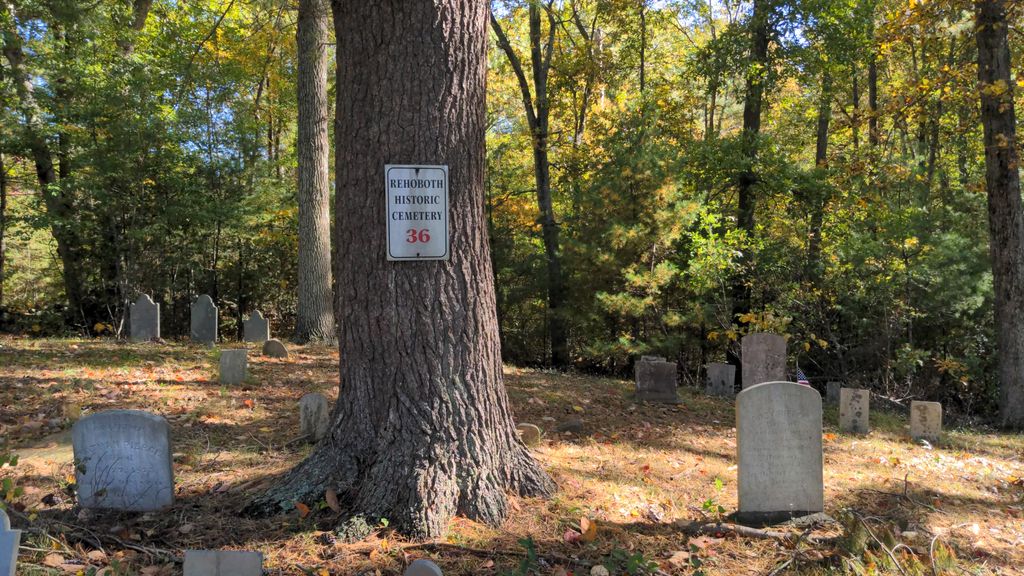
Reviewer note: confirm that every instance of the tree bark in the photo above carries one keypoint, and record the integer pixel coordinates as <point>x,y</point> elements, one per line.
<point>537,114</point>
<point>1005,212</point>
<point>820,198</point>
<point>315,318</point>
<point>873,136</point>
<point>3,225</point>
<point>424,429</point>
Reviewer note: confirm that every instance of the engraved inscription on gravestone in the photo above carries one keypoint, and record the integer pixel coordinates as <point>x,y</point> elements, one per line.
<point>925,420</point>
<point>853,410</point>
<point>763,357</point>
<point>204,320</point>
<point>721,380</point>
<point>9,542</point>
<point>656,381</point>
<point>144,321</point>
<point>123,461</point>
<point>417,212</point>
<point>778,444</point>
<point>314,416</point>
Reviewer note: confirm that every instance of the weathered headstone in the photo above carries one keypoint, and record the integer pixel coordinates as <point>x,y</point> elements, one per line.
<point>144,320</point>
<point>763,358</point>
<point>779,453</point>
<point>223,563</point>
<point>423,567</point>
<point>652,359</point>
<point>854,404</point>
<point>925,420</point>
<point>721,380</point>
<point>656,381</point>
<point>314,416</point>
<point>832,392</point>
<point>234,366</point>
<point>274,349</point>
<point>530,433</point>
<point>256,328</point>
<point>123,461</point>
<point>204,320</point>
<point>9,542</point>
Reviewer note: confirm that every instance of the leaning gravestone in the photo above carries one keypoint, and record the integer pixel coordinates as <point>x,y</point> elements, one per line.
<point>423,567</point>
<point>925,420</point>
<point>314,416</point>
<point>234,366</point>
<point>763,358</point>
<point>274,349</point>
<point>223,563</point>
<point>854,404</point>
<point>779,453</point>
<point>204,320</point>
<point>832,392</point>
<point>144,320</point>
<point>123,461</point>
<point>256,328</point>
<point>656,381</point>
<point>9,542</point>
<point>721,380</point>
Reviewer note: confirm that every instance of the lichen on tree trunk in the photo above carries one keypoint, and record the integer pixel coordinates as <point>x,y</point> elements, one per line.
<point>423,429</point>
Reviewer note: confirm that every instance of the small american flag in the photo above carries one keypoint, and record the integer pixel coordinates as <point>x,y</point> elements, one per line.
<point>801,378</point>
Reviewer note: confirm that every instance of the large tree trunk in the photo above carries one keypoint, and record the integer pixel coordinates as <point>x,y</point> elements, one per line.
<point>819,199</point>
<point>423,429</point>
<point>315,321</point>
<point>1005,213</point>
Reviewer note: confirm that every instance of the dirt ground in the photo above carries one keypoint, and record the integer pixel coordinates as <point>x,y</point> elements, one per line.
<point>645,475</point>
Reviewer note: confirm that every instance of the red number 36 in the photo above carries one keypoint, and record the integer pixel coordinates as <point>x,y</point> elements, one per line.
<point>418,236</point>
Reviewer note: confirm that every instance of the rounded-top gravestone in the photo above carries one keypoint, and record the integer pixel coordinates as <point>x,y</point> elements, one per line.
<point>423,567</point>
<point>274,349</point>
<point>530,433</point>
<point>763,358</point>
<point>204,320</point>
<point>123,461</point>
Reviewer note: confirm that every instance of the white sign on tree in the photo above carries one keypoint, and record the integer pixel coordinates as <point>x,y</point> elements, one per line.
<point>417,212</point>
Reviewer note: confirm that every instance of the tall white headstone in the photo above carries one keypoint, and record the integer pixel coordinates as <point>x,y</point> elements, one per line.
<point>778,444</point>
<point>763,358</point>
<point>9,542</point>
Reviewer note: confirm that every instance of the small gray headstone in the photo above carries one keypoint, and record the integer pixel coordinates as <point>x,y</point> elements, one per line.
<point>779,453</point>
<point>314,416</point>
<point>274,349</point>
<point>925,420</point>
<point>123,461</point>
<point>144,320</point>
<point>832,392</point>
<point>256,328</point>
<point>721,380</point>
<point>656,381</point>
<point>204,320</point>
<point>423,567</point>
<point>9,542</point>
<point>854,404</point>
<point>234,366</point>
<point>223,563</point>
<point>652,359</point>
<point>530,433</point>
<point>763,358</point>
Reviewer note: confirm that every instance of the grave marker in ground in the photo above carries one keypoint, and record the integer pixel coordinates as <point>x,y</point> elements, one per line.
<point>234,366</point>
<point>223,563</point>
<point>274,349</point>
<point>123,461</point>
<point>314,416</point>
<point>144,320</point>
<point>763,358</point>
<point>423,567</point>
<point>779,452</point>
<point>925,420</point>
<point>721,380</point>
<point>9,542</point>
<point>656,381</point>
<point>530,433</point>
<point>256,328</point>
<point>853,410</point>
<point>832,392</point>
<point>204,320</point>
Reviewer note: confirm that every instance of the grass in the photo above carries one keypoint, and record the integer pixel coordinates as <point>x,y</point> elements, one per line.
<point>639,471</point>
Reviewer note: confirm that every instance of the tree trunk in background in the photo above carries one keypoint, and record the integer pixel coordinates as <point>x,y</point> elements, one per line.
<point>873,100</point>
<point>315,318</point>
<point>1005,212</point>
<point>424,429</point>
<point>3,225</point>
<point>819,198</point>
<point>537,119</point>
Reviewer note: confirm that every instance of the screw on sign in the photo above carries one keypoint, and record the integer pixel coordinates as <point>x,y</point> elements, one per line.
<point>417,212</point>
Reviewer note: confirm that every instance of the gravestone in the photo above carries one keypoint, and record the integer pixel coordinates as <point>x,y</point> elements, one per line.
<point>256,328</point>
<point>656,381</point>
<point>423,567</point>
<point>853,410</point>
<point>204,320</point>
<point>763,358</point>
<point>9,542</point>
<point>832,392</point>
<point>144,320</point>
<point>652,358</point>
<point>314,416</point>
<point>925,420</point>
<point>274,349</point>
<point>779,453</point>
<point>223,563</point>
<point>123,461</point>
<point>530,433</point>
<point>721,380</point>
<point>234,366</point>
